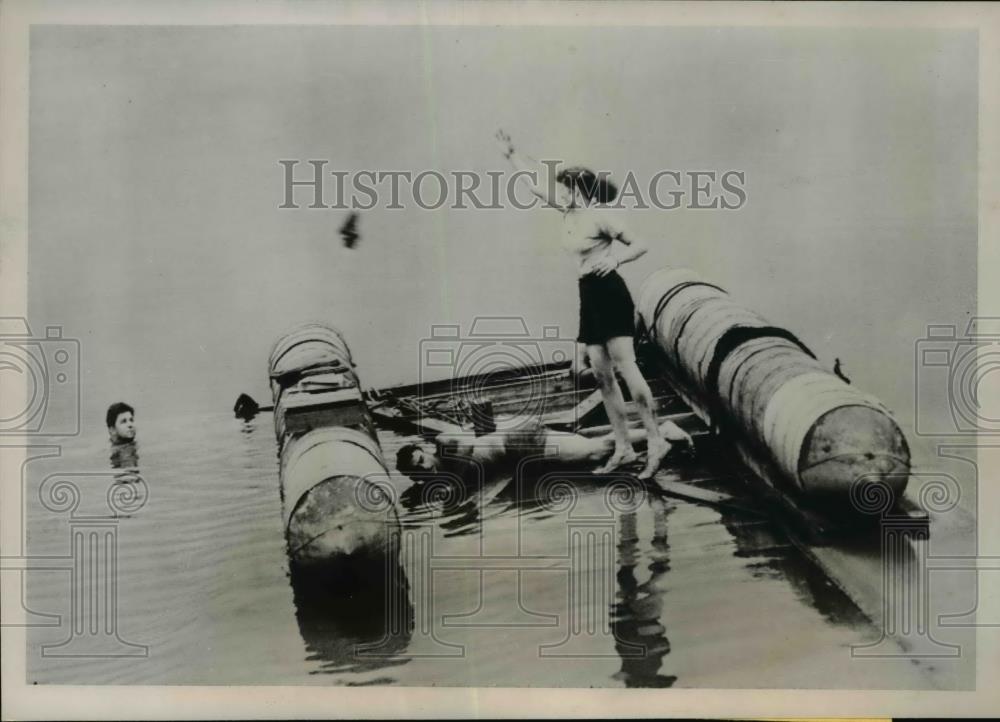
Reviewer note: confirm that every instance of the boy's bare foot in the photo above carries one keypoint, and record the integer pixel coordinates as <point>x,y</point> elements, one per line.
<point>621,456</point>
<point>684,444</point>
<point>675,435</point>
<point>654,457</point>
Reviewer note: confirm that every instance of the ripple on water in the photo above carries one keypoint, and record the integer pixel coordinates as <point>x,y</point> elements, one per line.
<point>681,595</point>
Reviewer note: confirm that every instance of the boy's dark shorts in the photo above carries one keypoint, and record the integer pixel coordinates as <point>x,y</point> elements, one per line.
<point>606,309</point>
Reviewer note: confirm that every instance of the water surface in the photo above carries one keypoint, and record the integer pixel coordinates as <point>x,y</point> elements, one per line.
<point>528,587</point>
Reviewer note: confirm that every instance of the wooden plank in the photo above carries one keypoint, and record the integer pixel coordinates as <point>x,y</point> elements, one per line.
<point>674,475</point>
<point>696,494</point>
<point>584,412</point>
<point>563,398</point>
<point>660,403</point>
<point>683,417</point>
<point>434,426</point>
<point>574,417</point>
<point>448,386</point>
<point>425,425</point>
<point>498,387</point>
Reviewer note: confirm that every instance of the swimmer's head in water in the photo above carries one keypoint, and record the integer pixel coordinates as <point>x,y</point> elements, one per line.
<point>121,422</point>
<point>413,459</point>
<point>593,187</point>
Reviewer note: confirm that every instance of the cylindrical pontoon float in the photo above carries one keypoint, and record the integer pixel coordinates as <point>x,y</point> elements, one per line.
<point>335,499</point>
<point>823,435</point>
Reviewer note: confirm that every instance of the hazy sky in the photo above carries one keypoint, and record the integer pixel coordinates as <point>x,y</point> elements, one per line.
<point>156,237</point>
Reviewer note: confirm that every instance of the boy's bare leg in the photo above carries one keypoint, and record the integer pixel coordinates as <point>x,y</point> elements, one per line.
<point>614,404</point>
<point>576,449</point>
<point>623,356</point>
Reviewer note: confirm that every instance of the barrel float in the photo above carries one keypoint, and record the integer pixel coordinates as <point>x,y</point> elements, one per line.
<point>308,345</point>
<point>320,401</point>
<point>826,437</point>
<point>335,503</point>
<point>313,378</point>
<point>310,349</point>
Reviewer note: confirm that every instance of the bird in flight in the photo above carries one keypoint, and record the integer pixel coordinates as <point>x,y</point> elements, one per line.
<point>349,231</point>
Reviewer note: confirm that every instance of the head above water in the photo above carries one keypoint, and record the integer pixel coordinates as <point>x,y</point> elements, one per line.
<point>120,421</point>
<point>414,459</point>
<point>593,187</point>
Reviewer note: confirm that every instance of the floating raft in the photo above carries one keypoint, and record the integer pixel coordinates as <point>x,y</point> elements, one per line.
<point>550,394</point>
<point>817,443</point>
<point>767,505</point>
<point>333,505</point>
<point>788,416</point>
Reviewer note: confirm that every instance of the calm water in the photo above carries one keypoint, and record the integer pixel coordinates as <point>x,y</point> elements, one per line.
<point>836,236</point>
<point>673,594</point>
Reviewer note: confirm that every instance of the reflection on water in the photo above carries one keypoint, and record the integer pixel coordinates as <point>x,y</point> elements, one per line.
<point>637,623</point>
<point>125,459</point>
<point>125,455</point>
<point>769,556</point>
<point>353,616</point>
<point>204,582</point>
<point>454,503</point>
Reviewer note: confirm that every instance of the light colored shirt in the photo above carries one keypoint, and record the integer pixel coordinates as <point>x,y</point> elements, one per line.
<point>589,234</point>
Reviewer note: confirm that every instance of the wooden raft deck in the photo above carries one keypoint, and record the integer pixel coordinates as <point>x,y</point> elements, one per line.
<point>561,402</point>
<point>755,501</point>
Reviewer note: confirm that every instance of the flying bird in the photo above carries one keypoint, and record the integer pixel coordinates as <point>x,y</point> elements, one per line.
<point>349,231</point>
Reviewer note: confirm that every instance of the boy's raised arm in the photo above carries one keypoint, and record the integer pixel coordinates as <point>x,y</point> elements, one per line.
<point>533,174</point>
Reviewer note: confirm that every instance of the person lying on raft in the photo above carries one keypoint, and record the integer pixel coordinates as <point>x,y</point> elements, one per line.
<point>451,452</point>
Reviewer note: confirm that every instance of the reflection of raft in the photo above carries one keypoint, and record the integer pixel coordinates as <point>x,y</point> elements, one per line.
<point>332,471</point>
<point>787,414</point>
